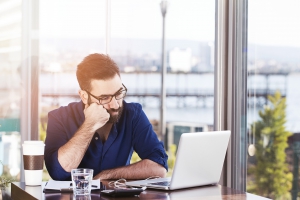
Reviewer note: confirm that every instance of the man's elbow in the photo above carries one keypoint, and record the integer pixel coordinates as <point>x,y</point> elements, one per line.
<point>156,168</point>
<point>162,172</point>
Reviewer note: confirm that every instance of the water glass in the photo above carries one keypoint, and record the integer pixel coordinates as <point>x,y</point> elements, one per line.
<point>81,197</point>
<point>82,181</point>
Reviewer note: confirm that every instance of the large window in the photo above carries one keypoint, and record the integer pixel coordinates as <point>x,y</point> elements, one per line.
<point>131,33</point>
<point>273,129</point>
<point>41,43</point>
<point>69,30</point>
<point>136,45</point>
<point>39,53</point>
<point>10,87</point>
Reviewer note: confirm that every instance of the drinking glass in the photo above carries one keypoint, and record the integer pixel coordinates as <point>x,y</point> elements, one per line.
<point>82,181</point>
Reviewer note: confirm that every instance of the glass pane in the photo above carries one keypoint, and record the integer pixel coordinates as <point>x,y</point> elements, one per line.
<point>136,45</point>
<point>69,31</point>
<point>10,88</point>
<point>273,80</point>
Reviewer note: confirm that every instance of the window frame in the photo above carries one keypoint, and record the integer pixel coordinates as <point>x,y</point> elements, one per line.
<point>230,102</point>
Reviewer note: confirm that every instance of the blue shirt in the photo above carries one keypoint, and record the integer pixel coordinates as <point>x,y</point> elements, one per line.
<point>133,132</point>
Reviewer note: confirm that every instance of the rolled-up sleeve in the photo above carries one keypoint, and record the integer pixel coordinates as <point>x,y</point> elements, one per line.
<point>56,137</point>
<point>145,141</point>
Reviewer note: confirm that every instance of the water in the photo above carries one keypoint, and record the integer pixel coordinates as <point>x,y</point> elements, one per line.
<point>189,109</point>
<point>81,197</point>
<point>81,183</point>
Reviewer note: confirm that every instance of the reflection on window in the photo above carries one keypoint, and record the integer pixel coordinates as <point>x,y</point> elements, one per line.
<point>69,31</point>
<point>65,37</point>
<point>273,79</point>
<point>136,45</point>
<point>10,88</point>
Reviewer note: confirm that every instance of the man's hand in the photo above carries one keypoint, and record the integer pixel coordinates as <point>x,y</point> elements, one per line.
<point>71,154</point>
<point>96,115</point>
<point>140,170</point>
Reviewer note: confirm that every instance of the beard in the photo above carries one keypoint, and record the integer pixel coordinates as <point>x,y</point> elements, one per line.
<point>115,118</point>
<point>112,118</point>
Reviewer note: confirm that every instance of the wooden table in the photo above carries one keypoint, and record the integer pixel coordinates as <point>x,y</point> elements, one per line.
<point>19,191</point>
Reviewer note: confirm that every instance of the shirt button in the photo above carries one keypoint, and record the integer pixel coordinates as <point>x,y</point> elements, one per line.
<point>96,138</point>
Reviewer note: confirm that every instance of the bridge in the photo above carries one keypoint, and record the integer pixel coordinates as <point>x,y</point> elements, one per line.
<point>255,96</point>
<point>200,95</point>
<point>169,93</point>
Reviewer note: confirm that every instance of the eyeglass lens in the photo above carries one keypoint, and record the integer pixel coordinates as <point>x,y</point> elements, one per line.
<point>121,94</point>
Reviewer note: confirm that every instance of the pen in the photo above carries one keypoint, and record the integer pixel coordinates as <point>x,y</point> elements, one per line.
<point>92,185</point>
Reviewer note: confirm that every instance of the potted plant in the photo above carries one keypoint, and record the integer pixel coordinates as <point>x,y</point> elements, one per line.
<point>3,184</point>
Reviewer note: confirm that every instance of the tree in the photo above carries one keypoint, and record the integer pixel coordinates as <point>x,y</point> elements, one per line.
<point>272,177</point>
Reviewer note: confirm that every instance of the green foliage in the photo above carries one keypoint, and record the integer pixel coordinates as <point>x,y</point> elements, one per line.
<point>272,177</point>
<point>42,134</point>
<point>171,158</point>
<point>4,181</point>
<point>42,137</point>
<point>134,158</point>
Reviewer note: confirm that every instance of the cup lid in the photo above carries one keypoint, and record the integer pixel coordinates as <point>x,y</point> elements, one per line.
<point>34,142</point>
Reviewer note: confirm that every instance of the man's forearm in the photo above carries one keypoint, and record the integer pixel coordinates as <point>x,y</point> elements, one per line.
<point>71,154</point>
<point>140,170</point>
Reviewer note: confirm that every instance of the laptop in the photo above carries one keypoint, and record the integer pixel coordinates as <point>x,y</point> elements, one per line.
<point>199,161</point>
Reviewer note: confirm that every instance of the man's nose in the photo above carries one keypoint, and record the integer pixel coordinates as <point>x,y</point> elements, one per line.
<point>114,103</point>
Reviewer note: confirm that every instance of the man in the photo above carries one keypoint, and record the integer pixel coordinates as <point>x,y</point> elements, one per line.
<point>102,130</point>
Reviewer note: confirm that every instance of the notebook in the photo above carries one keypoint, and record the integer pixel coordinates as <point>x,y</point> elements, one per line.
<point>53,186</point>
<point>199,161</point>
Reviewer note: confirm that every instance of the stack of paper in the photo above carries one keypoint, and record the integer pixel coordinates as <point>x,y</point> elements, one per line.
<point>66,186</point>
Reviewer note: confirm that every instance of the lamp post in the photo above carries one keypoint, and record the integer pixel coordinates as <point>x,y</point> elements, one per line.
<point>163,6</point>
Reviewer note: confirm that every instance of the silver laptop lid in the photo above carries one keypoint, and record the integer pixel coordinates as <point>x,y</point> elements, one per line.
<point>199,159</point>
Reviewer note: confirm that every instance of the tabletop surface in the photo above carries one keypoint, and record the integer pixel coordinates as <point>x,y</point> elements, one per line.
<point>214,192</point>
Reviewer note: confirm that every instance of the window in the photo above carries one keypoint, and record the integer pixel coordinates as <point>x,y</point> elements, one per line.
<point>273,65</point>
<point>136,45</point>
<point>131,32</point>
<point>10,87</point>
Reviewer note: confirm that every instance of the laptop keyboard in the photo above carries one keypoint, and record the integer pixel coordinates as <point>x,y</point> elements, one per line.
<point>163,183</point>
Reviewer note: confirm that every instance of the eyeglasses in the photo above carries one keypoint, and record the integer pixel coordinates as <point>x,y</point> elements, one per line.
<point>105,99</point>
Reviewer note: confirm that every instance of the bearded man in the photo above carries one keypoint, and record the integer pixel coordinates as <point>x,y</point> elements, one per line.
<point>102,130</point>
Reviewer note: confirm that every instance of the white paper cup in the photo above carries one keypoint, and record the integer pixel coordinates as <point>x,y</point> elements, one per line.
<point>33,159</point>
<point>36,191</point>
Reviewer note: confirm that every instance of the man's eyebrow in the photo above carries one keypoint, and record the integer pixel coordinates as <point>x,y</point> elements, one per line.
<point>121,88</point>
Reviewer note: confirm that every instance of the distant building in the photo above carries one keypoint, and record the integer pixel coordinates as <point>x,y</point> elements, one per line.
<point>10,57</point>
<point>180,59</point>
<point>175,129</point>
<point>10,37</point>
<point>206,56</point>
<point>130,63</point>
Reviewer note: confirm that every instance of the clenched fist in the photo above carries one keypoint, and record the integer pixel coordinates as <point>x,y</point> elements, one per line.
<point>96,115</point>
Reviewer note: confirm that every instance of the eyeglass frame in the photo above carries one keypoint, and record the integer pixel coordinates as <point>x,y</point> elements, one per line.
<point>111,96</point>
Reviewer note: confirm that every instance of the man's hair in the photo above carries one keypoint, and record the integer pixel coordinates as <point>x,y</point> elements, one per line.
<point>95,67</point>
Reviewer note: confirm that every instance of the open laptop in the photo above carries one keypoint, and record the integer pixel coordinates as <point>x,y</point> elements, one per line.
<point>199,161</point>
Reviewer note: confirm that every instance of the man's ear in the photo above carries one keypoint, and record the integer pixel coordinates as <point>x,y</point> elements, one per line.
<point>83,96</point>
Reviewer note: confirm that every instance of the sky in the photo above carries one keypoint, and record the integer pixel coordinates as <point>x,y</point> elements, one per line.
<point>193,20</point>
<point>274,22</point>
<point>271,22</point>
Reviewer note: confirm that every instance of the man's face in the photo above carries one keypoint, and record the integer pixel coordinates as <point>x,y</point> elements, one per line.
<point>104,89</point>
